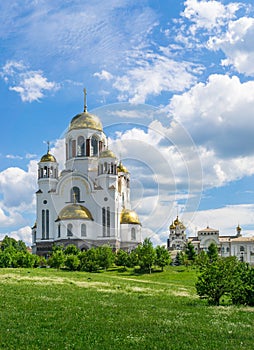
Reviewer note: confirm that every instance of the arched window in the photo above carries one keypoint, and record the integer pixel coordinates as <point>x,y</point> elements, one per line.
<point>59,230</point>
<point>69,230</point>
<point>105,167</point>
<point>81,146</point>
<point>70,149</point>
<point>75,194</point>
<point>94,144</point>
<point>83,230</point>
<point>103,221</point>
<point>133,233</point>
<point>241,248</point>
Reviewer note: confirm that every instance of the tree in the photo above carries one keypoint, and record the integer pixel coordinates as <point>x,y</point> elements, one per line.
<point>162,257</point>
<point>121,258</point>
<point>212,252</point>
<point>242,292</point>
<point>72,262</point>
<point>146,255</point>
<point>202,259</point>
<point>71,249</point>
<point>57,259</point>
<point>105,256</point>
<point>9,242</point>
<point>217,279</point>
<point>190,251</point>
<point>89,260</point>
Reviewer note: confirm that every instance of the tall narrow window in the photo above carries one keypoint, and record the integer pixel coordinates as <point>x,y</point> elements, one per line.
<point>94,144</point>
<point>66,151</point>
<point>108,221</point>
<point>43,224</point>
<point>83,230</point>
<point>47,224</point>
<point>73,148</point>
<point>59,230</point>
<point>88,147</point>
<point>69,230</point>
<point>133,233</point>
<point>103,222</point>
<point>75,194</point>
<point>81,146</point>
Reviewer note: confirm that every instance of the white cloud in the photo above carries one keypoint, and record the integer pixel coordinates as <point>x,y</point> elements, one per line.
<point>238,45</point>
<point>208,14</point>
<point>31,85</point>
<point>103,75</point>
<point>24,234</point>
<point>225,219</point>
<point>151,75</point>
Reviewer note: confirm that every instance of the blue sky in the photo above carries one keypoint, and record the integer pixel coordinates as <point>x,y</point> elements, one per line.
<point>172,82</point>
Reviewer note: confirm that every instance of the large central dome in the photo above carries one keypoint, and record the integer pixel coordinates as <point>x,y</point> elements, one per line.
<point>85,120</point>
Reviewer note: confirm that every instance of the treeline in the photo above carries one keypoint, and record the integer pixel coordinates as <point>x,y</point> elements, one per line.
<point>145,257</point>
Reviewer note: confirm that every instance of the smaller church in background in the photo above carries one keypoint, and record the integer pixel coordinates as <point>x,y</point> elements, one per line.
<point>88,202</point>
<point>236,245</point>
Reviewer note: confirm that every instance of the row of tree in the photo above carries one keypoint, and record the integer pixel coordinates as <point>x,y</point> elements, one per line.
<point>145,256</point>
<point>14,254</point>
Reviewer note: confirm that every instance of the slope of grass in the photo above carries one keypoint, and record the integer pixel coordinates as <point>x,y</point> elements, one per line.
<point>49,309</point>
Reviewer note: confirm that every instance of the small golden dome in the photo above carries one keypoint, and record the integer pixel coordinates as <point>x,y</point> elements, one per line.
<point>48,158</point>
<point>129,217</point>
<point>121,168</point>
<point>239,228</point>
<point>85,120</point>
<point>74,212</point>
<point>177,222</point>
<point>172,226</point>
<point>107,154</point>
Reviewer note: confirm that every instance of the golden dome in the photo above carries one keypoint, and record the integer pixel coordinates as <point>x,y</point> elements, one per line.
<point>48,158</point>
<point>74,211</point>
<point>121,168</point>
<point>129,217</point>
<point>172,226</point>
<point>177,222</point>
<point>85,120</point>
<point>107,154</point>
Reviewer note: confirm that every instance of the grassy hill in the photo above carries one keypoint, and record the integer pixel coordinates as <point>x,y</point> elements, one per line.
<point>50,309</point>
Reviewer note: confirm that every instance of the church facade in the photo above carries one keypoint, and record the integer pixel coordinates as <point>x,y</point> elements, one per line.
<point>235,245</point>
<point>88,202</point>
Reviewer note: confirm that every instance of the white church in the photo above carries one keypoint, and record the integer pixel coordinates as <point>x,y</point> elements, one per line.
<point>88,203</point>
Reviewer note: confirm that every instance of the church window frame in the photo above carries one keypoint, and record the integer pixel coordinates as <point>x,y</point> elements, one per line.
<point>104,222</point>
<point>133,234</point>
<point>59,230</point>
<point>94,146</point>
<point>83,230</point>
<point>47,224</point>
<point>43,224</point>
<point>73,148</point>
<point>81,146</point>
<point>69,230</point>
<point>75,194</point>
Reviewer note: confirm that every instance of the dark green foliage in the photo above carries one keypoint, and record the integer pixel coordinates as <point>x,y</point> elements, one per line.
<point>121,258</point>
<point>226,277</point>
<point>178,259</point>
<point>89,260</point>
<point>72,262</point>
<point>202,259</point>
<point>146,255</point>
<point>212,252</point>
<point>57,259</point>
<point>162,258</point>
<point>71,249</point>
<point>18,246</point>
<point>105,256</point>
<point>190,251</point>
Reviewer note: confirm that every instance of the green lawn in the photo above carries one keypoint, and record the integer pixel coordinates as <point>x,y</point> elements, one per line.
<point>49,309</point>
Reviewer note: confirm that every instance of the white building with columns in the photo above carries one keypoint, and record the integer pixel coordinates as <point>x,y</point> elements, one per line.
<point>88,203</point>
